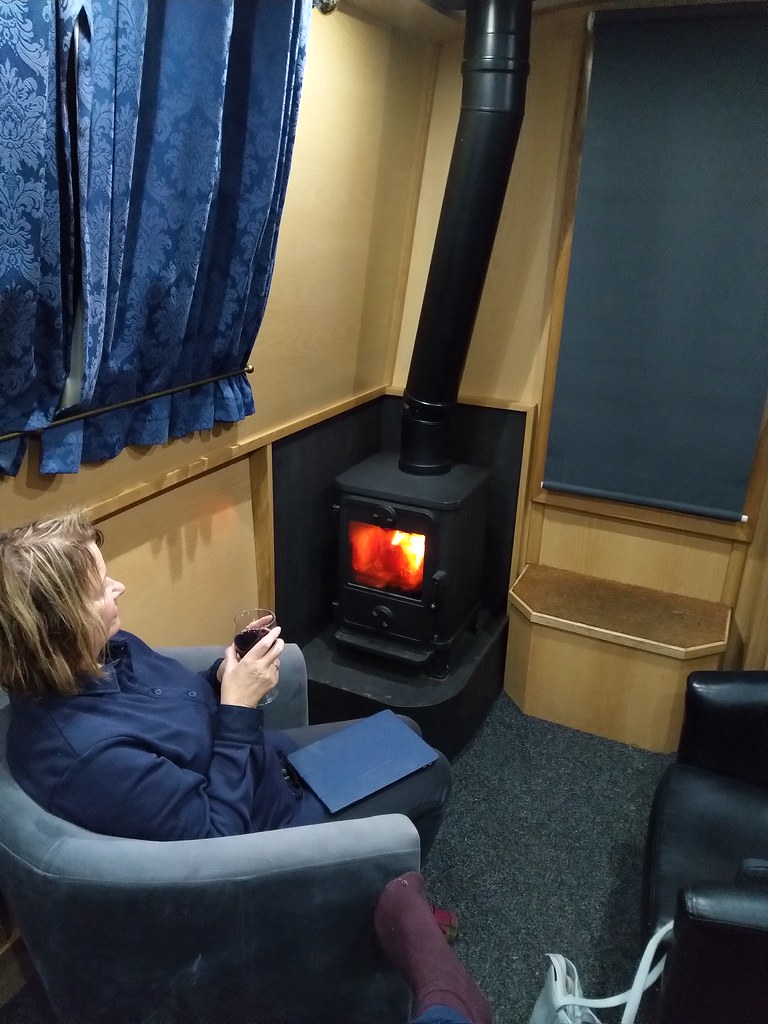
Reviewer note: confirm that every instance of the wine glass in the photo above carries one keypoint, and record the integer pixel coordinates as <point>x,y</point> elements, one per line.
<point>251,625</point>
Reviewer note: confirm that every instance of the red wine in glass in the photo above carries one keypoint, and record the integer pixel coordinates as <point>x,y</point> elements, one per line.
<point>251,625</point>
<point>246,638</point>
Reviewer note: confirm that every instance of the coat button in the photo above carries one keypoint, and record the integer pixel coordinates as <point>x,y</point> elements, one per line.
<point>191,693</point>
<point>157,691</point>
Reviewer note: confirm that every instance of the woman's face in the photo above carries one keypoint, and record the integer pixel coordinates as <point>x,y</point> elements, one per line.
<point>105,598</point>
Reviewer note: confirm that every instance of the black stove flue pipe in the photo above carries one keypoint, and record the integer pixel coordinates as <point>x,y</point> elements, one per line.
<point>495,70</point>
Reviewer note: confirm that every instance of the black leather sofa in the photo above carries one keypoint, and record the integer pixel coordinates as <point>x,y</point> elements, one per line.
<point>706,859</point>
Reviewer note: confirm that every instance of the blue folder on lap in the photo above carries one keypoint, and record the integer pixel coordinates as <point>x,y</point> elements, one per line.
<point>361,759</point>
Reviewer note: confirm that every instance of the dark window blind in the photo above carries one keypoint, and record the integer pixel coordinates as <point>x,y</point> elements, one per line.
<point>663,365</point>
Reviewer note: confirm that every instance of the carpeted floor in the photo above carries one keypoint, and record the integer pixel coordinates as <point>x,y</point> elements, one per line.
<point>542,851</point>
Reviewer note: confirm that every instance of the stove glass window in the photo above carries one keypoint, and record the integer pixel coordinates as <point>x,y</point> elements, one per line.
<point>386,559</point>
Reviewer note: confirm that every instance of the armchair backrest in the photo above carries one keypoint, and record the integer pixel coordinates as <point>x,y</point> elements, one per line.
<point>725,726</point>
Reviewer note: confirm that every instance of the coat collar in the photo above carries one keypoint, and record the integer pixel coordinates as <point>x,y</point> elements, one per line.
<point>114,652</point>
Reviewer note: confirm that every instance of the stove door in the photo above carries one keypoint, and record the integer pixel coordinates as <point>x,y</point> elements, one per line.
<point>387,564</point>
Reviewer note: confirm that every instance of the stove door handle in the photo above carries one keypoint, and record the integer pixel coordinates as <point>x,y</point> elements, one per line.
<point>438,583</point>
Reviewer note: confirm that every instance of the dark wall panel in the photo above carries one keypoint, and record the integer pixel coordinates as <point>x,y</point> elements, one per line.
<point>305,466</point>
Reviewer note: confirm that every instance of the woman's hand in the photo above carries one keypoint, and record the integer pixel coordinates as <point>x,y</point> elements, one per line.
<point>245,680</point>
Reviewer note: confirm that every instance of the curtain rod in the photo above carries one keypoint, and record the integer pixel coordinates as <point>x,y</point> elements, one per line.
<point>123,405</point>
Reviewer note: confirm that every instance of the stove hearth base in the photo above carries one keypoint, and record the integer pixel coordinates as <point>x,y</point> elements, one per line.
<point>349,684</point>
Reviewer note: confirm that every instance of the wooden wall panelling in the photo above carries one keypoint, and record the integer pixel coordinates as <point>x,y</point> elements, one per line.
<point>262,508</point>
<point>621,693</point>
<point>188,558</point>
<point>404,127</point>
<point>516,299</point>
<point>734,573</point>
<point>446,103</point>
<point>417,17</point>
<point>524,507</point>
<point>750,640</point>
<point>551,346</point>
<point>106,487</point>
<point>532,537</point>
<point>505,359</point>
<point>331,322</point>
<point>673,521</point>
<point>15,966</point>
<point>627,552</point>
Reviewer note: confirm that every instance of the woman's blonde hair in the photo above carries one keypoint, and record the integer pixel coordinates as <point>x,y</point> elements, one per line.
<point>49,628</point>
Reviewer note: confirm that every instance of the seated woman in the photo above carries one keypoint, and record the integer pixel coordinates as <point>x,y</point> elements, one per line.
<point>118,739</point>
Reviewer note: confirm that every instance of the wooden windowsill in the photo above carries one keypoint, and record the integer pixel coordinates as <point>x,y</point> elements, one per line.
<point>648,620</point>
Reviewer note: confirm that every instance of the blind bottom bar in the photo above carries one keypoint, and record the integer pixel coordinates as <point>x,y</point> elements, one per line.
<point>729,515</point>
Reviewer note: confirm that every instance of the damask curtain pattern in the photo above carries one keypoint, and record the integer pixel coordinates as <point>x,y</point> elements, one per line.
<point>35,218</point>
<point>186,114</point>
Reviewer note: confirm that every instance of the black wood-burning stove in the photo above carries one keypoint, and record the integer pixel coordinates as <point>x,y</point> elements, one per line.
<point>412,528</point>
<point>411,555</point>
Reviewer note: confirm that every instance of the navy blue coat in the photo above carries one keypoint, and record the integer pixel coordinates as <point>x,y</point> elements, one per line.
<point>147,752</point>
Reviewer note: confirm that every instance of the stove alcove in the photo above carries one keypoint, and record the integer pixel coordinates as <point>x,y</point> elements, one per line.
<point>347,683</point>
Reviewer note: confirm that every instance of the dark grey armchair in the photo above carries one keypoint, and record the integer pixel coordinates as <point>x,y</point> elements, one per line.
<point>271,928</point>
<point>706,861</point>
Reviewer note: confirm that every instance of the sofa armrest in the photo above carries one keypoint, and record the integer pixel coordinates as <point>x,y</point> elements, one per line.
<point>726,724</point>
<point>290,710</point>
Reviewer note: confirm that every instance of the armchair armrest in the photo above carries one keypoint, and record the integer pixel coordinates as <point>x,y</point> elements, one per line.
<point>717,959</point>
<point>725,728</point>
<point>290,710</point>
<point>753,870</point>
<point>197,659</point>
<point>276,859</point>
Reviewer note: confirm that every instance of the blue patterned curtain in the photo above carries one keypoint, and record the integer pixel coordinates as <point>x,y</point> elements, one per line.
<point>172,189</point>
<point>34,219</point>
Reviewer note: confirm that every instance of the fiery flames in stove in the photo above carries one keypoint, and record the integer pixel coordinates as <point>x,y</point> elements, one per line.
<point>386,558</point>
